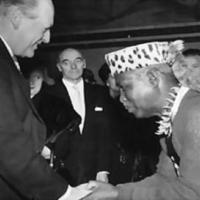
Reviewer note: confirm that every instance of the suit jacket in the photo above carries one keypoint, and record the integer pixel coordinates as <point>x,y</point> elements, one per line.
<point>164,184</point>
<point>24,173</point>
<point>57,113</point>
<point>89,152</point>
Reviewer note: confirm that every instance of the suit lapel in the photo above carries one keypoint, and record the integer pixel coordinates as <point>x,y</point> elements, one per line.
<point>59,90</point>
<point>89,104</point>
<point>89,96</point>
<point>19,79</point>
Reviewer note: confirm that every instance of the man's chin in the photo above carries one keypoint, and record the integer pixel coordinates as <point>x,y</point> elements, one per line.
<point>138,114</point>
<point>29,53</point>
<point>134,112</point>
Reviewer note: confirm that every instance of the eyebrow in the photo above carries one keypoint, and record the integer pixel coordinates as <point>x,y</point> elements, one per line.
<point>65,59</point>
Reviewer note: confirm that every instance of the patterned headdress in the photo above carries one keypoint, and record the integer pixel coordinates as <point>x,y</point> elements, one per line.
<point>143,55</point>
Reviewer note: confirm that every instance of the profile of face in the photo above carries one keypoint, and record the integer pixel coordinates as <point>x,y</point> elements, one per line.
<point>187,71</point>
<point>33,28</point>
<point>113,88</point>
<point>137,94</point>
<point>71,64</point>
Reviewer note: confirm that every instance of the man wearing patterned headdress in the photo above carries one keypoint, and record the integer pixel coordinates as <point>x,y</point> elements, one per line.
<point>149,87</point>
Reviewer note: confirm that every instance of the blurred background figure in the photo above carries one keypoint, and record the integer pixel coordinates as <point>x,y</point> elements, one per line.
<point>37,74</point>
<point>187,70</point>
<point>36,79</point>
<point>109,81</point>
<point>88,76</point>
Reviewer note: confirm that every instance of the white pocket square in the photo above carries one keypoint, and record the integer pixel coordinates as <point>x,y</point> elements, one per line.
<point>98,109</point>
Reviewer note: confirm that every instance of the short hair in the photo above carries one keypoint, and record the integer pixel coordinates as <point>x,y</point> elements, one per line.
<point>67,49</point>
<point>191,52</point>
<point>24,5</point>
<point>104,72</point>
<point>88,76</point>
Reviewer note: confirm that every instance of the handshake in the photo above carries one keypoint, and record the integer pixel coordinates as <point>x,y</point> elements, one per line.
<point>94,190</point>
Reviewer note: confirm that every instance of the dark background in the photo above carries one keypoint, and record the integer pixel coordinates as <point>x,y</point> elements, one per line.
<point>97,27</point>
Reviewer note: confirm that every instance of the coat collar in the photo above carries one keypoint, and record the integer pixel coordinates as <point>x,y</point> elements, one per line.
<point>20,80</point>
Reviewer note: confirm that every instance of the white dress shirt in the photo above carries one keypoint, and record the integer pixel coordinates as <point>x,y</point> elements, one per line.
<point>76,94</point>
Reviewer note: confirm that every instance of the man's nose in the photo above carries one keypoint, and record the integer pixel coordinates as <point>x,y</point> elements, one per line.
<point>73,65</point>
<point>46,37</point>
<point>122,97</point>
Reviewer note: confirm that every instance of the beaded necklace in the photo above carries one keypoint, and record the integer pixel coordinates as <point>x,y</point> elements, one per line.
<point>165,124</point>
<point>169,111</point>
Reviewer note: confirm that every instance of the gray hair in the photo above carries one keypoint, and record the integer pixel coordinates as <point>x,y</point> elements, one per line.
<point>24,5</point>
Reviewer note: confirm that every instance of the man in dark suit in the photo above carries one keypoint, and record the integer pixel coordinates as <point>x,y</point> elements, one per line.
<point>88,154</point>
<point>24,173</point>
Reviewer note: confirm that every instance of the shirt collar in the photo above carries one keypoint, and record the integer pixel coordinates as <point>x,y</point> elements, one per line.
<point>70,84</point>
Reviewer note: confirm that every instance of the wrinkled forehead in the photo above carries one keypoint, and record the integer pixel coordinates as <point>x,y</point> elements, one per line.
<point>125,77</point>
<point>70,54</point>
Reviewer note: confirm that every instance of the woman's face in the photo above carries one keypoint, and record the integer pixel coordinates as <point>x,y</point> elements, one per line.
<point>35,80</point>
<point>113,88</point>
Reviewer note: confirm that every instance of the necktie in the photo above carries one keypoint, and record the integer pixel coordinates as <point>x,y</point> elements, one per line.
<point>78,104</point>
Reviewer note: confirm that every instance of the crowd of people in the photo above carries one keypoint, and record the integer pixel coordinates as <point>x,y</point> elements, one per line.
<point>134,138</point>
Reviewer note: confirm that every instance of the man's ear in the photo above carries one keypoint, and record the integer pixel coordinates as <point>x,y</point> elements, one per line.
<point>15,16</point>
<point>84,63</point>
<point>59,68</point>
<point>153,77</point>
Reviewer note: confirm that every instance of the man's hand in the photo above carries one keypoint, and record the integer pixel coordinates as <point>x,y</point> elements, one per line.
<point>46,152</point>
<point>101,191</point>
<point>76,193</point>
<point>102,176</point>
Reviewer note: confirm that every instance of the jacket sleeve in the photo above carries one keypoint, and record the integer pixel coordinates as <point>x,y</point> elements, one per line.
<point>165,184</point>
<point>21,164</point>
<point>190,147</point>
<point>162,185</point>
